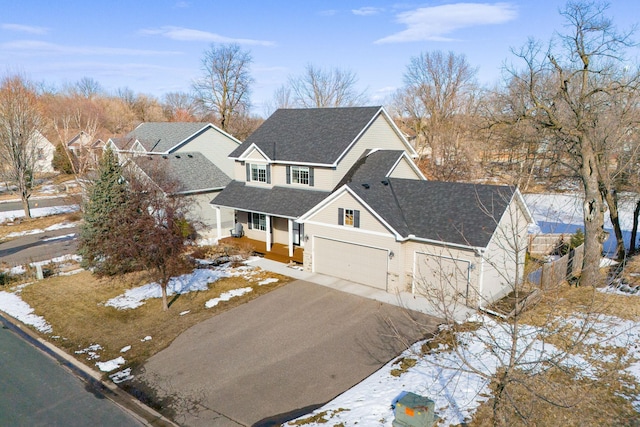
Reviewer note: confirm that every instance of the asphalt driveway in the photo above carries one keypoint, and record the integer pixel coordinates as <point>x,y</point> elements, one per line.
<point>278,356</point>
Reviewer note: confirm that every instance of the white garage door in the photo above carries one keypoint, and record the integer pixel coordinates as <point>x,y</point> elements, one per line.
<point>350,261</point>
<point>441,276</point>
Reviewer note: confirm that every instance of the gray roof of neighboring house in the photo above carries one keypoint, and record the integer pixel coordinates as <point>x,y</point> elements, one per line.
<point>123,143</point>
<point>452,212</point>
<point>309,135</point>
<point>160,137</point>
<point>189,171</point>
<point>281,201</point>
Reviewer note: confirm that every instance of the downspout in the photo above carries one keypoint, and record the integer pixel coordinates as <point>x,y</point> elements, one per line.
<point>480,278</point>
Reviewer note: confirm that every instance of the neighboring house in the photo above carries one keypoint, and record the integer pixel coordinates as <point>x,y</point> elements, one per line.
<point>186,145</point>
<point>86,149</point>
<point>43,151</point>
<point>295,159</point>
<point>190,174</point>
<point>445,239</point>
<point>341,184</point>
<point>175,137</point>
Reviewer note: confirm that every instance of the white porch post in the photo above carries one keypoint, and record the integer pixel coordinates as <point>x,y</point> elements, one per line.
<point>290,238</point>
<point>219,222</point>
<point>267,223</point>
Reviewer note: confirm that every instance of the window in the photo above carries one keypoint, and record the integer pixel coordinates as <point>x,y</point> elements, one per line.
<point>300,175</point>
<point>259,173</point>
<point>349,217</point>
<point>257,221</point>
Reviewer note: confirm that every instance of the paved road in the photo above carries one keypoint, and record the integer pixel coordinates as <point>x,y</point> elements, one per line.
<point>39,247</point>
<point>35,390</point>
<point>277,357</point>
<point>40,203</point>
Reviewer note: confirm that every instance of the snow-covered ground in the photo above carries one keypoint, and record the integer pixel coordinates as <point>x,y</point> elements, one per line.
<point>53,227</point>
<point>38,212</point>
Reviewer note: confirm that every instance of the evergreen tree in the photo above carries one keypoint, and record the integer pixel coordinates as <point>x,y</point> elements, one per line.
<point>107,197</point>
<point>61,160</point>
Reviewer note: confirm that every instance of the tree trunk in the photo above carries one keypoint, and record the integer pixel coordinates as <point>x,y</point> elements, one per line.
<point>634,229</point>
<point>612,201</point>
<point>165,304</point>
<point>25,206</point>
<point>594,234</point>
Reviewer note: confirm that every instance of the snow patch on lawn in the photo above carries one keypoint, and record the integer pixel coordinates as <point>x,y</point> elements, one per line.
<point>38,212</point>
<point>110,365</point>
<point>13,305</point>
<point>53,227</point>
<point>226,296</point>
<point>267,281</point>
<point>199,280</point>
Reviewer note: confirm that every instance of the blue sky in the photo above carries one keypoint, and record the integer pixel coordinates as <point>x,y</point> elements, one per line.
<point>156,46</point>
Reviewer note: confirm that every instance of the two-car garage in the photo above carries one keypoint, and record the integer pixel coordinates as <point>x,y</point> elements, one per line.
<point>351,261</point>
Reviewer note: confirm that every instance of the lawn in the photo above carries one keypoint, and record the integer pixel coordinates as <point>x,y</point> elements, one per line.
<point>75,308</point>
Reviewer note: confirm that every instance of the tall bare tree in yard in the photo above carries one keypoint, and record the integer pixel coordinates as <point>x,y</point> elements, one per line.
<point>569,89</point>
<point>19,124</point>
<point>317,87</point>
<point>225,85</point>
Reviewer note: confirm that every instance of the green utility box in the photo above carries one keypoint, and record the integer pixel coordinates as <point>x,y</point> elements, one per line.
<point>414,411</point>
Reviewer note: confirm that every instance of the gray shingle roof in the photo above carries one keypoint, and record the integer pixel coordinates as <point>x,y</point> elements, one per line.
<point>160,137</point>
<point>189,171</point>
<point>280,201</point>
<point>452,212</point>
<point>309,135</point>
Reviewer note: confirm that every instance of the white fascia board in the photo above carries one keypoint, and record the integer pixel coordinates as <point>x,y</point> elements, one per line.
<point>523,204</point>
<point>476,249</point>
<point>201,191</point>
<point>200,131</point>
<point>287,162</point>
<point>345,189</point>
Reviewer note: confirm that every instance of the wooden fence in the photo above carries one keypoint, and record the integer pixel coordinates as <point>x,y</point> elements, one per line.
<point>551,274</point>
<point>544,244</point>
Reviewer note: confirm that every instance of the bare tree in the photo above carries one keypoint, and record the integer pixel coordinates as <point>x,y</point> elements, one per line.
<point>318,87</point>
<point>225,86</point>
<point>179,106</point>
<point>86,87</point>
<point>19,126</point>
<point>438,106</point>
<point>569,90</point>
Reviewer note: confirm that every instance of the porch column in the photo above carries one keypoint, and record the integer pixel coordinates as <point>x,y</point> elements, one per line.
<point>290,238</point>
<point>267,223</point>
<point>219,222</point>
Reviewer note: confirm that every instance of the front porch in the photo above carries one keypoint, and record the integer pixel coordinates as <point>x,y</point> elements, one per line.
<point>278,252</point>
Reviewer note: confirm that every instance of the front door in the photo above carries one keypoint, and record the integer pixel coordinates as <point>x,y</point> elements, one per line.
<point>298,233</point>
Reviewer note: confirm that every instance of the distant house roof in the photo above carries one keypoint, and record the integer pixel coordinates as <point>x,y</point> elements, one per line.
<point>191,172</point>
<point>161,137</point>
<point>309,135</point>
<point>280,201</point>
<point>122,143</point>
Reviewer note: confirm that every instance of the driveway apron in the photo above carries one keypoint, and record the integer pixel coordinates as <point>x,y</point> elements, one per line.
<point>280,355</point>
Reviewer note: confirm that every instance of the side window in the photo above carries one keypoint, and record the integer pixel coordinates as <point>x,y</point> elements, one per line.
<point>302,175</point>
<point>349,217</point>
<point>258,172</point>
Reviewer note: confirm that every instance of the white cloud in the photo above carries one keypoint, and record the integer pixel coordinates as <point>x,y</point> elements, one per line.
<point>436,23</point>
<point>182,4</point>
<point>24,28</point>
<point>366,11</point>
<point>34,47</point>
<point>188,34</point>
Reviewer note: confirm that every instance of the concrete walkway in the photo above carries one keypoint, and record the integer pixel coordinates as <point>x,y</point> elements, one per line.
<point>407,300</point>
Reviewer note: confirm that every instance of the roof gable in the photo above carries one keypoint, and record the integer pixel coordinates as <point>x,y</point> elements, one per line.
<point>309,135</point>
<point>162,137</point>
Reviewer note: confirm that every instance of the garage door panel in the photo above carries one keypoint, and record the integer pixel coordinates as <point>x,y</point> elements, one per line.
<point>350,261</point>
<point>448,276</point>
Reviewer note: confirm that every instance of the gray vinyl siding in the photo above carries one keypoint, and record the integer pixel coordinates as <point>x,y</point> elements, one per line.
<point>379,135</point>
<point>215,146</point>
<point>204,215</point>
